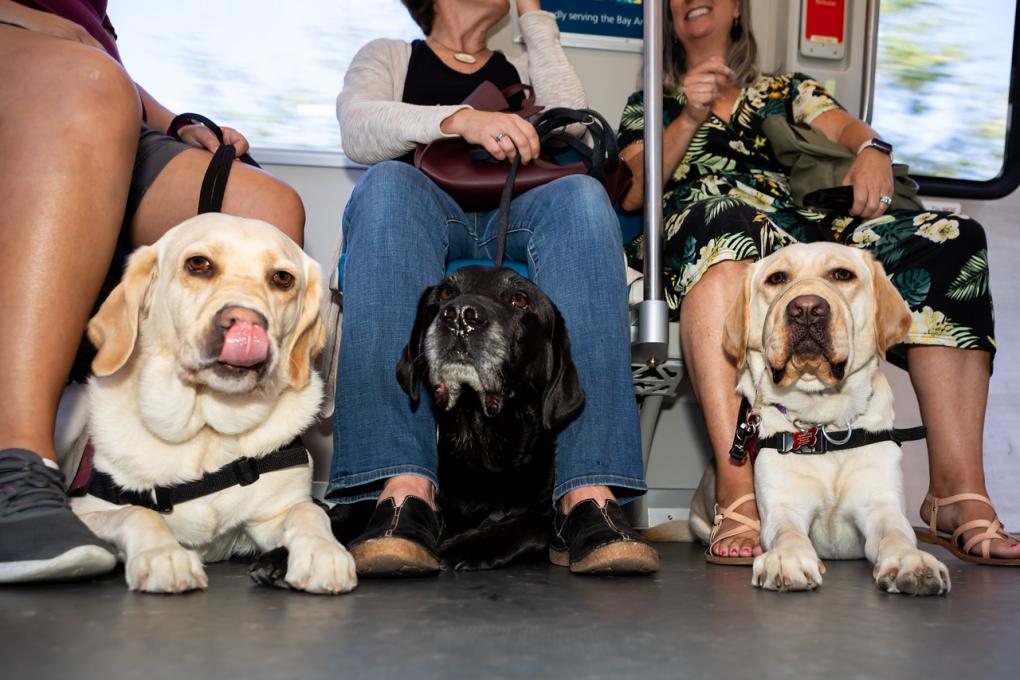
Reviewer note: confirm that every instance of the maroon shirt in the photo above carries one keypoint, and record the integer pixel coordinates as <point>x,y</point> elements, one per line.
<point>89,14</point>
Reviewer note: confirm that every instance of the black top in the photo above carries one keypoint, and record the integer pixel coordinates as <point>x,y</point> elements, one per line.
<point>430,82</point>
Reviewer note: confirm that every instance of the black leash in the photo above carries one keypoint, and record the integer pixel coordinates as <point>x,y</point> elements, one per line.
<point>504,209</point>
<point>214,184</point>
<point>240,472</point>
<point>600,158</point>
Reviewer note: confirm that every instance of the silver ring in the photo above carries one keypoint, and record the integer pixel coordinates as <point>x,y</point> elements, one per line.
<point>499,137</point>
<point>885,200</point>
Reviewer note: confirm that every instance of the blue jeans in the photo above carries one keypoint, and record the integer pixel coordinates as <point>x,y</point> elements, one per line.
<point>399,231</point>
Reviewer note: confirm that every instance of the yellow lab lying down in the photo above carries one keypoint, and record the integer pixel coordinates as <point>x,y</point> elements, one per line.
<point>204,373</point>
<point>807,332</point>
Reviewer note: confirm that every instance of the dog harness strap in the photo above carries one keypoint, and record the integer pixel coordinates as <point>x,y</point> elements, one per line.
<point>240,472</point>
<point>811,441</point>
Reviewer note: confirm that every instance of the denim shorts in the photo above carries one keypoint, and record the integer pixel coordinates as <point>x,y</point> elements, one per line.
<point>155,151</point>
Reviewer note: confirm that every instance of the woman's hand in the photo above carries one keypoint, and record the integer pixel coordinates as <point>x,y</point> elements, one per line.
<point>202,137</point>
<point>702,86</point>
<point>524,6</point>
<point>871,177</point>
<point>497,132</point>
<point>50,24</point>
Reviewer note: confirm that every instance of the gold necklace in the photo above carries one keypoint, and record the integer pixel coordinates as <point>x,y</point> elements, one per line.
<point>462,57</point>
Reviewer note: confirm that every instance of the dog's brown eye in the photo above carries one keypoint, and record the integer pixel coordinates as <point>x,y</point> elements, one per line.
<point>519,300</point>
<point>283,280</point>
<point>199,265</point>
<point>447,293</point>
<point>843,274</point>
<point>777,278</point>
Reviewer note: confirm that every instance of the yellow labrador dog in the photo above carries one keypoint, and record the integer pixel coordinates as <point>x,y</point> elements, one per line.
<point>203,372</point>
<point>807,332</point>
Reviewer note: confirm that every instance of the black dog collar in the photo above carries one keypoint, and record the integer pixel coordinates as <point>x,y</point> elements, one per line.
<point>813,440</point>
<point>241,472</point>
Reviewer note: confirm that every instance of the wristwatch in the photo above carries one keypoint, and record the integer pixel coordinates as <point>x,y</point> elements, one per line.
<point>876,143</point>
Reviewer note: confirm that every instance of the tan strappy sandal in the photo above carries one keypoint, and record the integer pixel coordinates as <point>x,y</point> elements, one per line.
<point>993,529</point>
<point>746,524</point>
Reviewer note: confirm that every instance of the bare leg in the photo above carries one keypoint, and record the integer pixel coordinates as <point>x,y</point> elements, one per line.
<point>69,121</point>
<point>714,378</point>
<point>173,198</point>
<point>401,486</point>
<point>955,420</point>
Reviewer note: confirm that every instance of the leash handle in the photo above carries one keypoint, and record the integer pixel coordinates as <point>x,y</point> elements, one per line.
<point>601,158</point>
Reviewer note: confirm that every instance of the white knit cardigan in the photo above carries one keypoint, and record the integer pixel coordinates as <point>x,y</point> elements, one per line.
<point>376,126</point>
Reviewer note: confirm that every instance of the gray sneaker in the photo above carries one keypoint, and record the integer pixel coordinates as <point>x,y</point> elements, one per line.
<point>41,539</point>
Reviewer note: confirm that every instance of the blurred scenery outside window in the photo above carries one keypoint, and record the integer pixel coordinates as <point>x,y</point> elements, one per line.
<point>270,68</point>
<point>942,84</point>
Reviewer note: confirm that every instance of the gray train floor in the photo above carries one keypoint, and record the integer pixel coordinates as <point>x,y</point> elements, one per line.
<point>526,621</point>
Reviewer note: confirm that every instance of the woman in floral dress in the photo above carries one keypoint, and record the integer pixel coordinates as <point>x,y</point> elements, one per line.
<point>728,202</point>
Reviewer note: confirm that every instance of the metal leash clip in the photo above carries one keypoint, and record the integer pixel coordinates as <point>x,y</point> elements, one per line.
<point>745,439</point>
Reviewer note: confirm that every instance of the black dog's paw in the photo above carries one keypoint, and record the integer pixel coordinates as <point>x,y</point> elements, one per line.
<point>270,568</point>
<point>456,564</point>
<point>462,553</point>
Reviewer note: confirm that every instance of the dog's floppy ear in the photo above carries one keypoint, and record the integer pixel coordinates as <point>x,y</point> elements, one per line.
<point>114,328</point>
<point>309,336</point>
<point>737,322</point>
<point>892,316</point>
<point>563,397</point>
<point>411,366</point>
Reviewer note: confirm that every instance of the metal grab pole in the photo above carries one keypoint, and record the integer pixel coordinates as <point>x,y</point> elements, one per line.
<point>653,314</point>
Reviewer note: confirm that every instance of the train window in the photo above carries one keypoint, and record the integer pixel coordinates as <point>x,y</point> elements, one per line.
<point>942,93</point>
<point>271,68</point>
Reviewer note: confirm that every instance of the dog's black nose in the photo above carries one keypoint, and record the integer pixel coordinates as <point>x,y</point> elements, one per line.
<point>808,309</point>
<point>464,316</point>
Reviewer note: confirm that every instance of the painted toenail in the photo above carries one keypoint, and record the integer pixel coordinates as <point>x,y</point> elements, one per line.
<point>733,551</point>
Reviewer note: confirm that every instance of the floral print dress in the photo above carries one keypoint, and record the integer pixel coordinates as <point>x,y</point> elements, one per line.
<point>729,199</point>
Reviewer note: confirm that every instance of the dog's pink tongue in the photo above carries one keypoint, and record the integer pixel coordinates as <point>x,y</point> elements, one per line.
<point>245,344</point>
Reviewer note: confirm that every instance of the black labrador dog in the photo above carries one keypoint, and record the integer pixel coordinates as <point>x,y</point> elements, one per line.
<point>493,352</point>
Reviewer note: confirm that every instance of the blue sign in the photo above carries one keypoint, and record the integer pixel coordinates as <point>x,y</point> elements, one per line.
<point>599,18</point>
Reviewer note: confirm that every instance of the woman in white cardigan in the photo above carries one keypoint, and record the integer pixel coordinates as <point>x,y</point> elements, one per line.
<point>400,229</point>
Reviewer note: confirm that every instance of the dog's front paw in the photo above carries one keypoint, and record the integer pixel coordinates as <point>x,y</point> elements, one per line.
<point>318,565</point>
<point>787,569</point>
<point>167,569</point>
<point>913,572</point>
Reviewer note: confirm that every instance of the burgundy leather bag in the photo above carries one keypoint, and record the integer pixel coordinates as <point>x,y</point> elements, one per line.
<point>475,180</point>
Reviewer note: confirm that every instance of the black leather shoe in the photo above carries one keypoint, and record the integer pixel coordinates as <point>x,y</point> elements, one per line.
<point>599,540</point>
<point>399,540</point>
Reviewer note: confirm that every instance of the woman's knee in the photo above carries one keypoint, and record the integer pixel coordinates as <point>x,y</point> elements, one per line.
<point>389,182</point>
<point>93,94</point>
<point>262,196</point>
<point>722,278</point>
<point>580,203</point>
<point>386,202</point>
